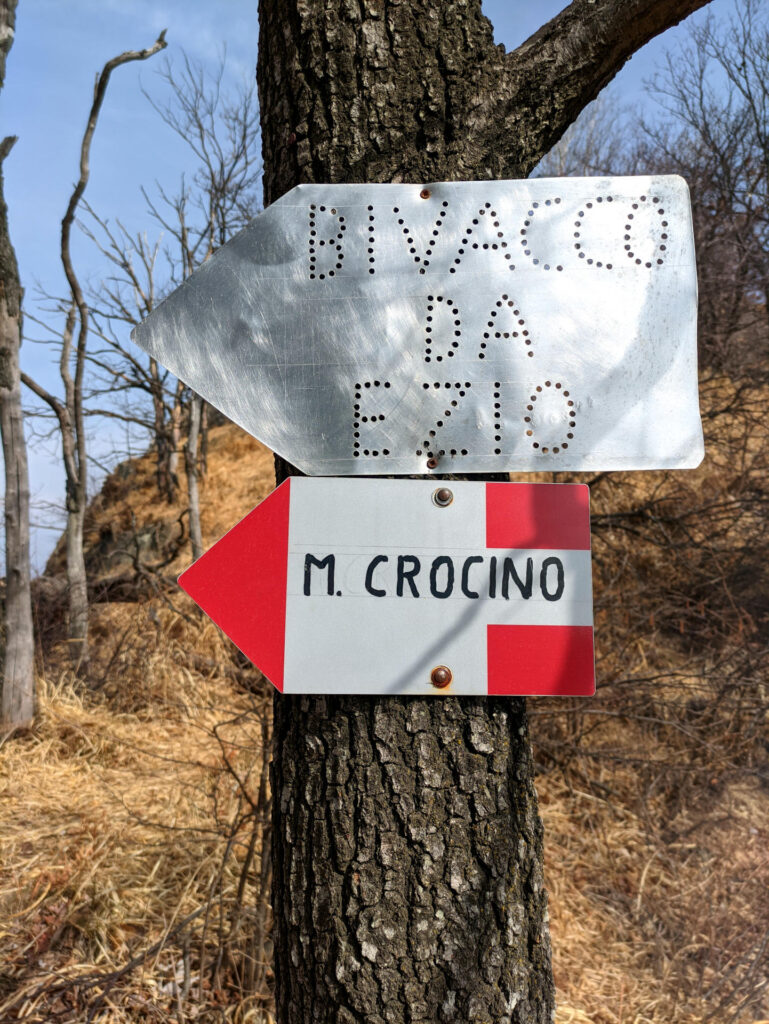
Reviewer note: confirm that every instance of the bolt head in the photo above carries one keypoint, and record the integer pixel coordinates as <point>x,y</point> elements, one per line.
<point>425,193</point>
<point>443,497</point>
<point>432,463</point>
<point>441,676</point>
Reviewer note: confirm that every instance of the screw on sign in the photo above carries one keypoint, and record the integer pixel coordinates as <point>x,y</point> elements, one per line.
<point>466,327</point>
<point>441,676</point>
<point>480,588</point>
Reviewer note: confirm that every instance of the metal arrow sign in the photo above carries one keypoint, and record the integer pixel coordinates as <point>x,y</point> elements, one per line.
<point>461,327</point>
<point>408,587</point>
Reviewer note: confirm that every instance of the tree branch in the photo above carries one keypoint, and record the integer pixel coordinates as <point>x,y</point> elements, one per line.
<point>56,406</point>
<point>549,79</point>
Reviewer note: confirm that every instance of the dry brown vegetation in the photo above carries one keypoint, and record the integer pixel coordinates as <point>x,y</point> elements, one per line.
<point>656,794</point>
<point>134,815</point>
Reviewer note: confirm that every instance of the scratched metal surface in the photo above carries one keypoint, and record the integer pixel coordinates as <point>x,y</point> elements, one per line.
<point>544,324</point>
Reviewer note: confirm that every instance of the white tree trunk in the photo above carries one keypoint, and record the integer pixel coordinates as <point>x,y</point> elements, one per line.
<point>18,686</point>
<point>17,699</point>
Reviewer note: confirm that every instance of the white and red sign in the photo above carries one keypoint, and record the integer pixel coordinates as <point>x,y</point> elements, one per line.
<point>409,587</point>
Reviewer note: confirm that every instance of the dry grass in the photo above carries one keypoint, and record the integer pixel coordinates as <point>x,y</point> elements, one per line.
<point>131,807</point>
<point>656,917</point>
<point>124,813</point>
<point>655,795</point>
<point>132,817</point>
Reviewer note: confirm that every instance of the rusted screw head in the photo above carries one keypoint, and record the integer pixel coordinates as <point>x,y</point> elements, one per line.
<point>443,497</point>
<point>432,462</point>
<point>425,193</point>
<point>440,677</point>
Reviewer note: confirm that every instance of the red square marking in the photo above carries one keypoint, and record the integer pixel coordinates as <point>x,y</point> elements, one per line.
<point>552,516</point>
<point>541,660</point>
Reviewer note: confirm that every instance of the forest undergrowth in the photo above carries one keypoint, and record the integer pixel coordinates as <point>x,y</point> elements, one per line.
<point>134,817</point>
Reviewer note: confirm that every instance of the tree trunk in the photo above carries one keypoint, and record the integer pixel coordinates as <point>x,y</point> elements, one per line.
<point>204,424</point>
<point>18,684</point>
<point>77,588</point>
<point>17,709</point>
<point>160,430</point>
<point>175,443</point>
<point>191,463</point>
<point>407,847</point>
<point>407,862</point>
<point>17,690</point>
<point>69,411</point>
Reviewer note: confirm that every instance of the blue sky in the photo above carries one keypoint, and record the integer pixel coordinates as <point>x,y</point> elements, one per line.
<point>59,48</point>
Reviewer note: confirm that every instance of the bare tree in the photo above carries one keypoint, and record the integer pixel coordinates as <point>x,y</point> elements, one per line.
<point>119,372</point>
<point>18,684</point>
<point>715,131</point>
<point>222,131</point>
<point>69,410</point>
<point>223,134</point>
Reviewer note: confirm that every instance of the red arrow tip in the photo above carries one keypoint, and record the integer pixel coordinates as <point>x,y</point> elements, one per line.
<point>241,583</point>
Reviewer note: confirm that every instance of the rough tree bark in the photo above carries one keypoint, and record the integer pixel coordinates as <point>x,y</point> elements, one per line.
<point>407,845</point>
<point>17,707</point>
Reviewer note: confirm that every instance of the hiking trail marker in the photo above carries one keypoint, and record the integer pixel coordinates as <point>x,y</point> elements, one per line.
<point>408,587</point>
<point>466,327</point>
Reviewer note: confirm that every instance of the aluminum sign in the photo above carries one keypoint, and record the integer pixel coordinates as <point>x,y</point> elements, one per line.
<point>408,587</point>
<point>462,327</point>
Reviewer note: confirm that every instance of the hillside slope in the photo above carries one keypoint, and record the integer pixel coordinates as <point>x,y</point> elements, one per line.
<point>132,818</point>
